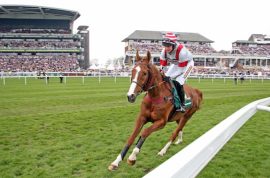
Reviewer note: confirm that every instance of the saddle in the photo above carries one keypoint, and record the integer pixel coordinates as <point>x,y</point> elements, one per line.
<point>175,98</point>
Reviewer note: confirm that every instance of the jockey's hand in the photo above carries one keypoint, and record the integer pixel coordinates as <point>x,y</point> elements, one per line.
<point>166,79</point>
<point>161,70</point>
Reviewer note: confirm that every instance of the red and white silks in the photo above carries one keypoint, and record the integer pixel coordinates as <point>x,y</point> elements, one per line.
<point>180,74</point>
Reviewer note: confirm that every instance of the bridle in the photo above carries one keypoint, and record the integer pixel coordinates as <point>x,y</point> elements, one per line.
<point>149,84</point>
<point>149,76</point>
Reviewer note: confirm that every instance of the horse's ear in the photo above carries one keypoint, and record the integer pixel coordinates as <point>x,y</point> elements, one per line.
<point>138,58</point>
<point>148,56</point>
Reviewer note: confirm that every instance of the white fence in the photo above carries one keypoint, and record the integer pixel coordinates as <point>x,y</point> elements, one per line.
<point>47,78</point>
<point>82,77</point>
<point>193,158</point>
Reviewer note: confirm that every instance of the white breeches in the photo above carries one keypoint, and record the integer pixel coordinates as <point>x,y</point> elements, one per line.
<point>180,74</point>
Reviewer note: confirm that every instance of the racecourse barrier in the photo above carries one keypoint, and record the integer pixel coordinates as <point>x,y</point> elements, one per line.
<point>193,158</point>
<point>25,77</point>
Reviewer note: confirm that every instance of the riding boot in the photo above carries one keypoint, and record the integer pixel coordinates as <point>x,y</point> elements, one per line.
<point>181,94</point>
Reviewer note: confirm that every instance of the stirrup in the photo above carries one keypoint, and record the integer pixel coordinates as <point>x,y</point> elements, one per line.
<point>181,109</point>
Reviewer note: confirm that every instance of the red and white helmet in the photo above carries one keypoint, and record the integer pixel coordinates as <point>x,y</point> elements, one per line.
<point>169,39</point>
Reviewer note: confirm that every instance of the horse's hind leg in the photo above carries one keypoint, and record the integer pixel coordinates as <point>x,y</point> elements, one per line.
<point>138,126</point>
<point>177,132</point>
<point>181,124</point>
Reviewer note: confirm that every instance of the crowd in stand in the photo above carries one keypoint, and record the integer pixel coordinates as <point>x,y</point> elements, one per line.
<point>229,72</point>
<point>55,62</point>
<point>260,50</point>
<point>195,48</point>
<point>200,48</point>
<point>49,61</point>
<point>32,63</point>
<point>41,43</point>
<point>213,67</point>
<point>143,47</point>
<point>36,30</point>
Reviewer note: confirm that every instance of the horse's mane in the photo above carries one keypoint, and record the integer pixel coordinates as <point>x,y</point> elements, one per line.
<point>157,71</point>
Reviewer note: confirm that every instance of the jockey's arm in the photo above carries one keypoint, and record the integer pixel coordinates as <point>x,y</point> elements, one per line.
<point>163,63</point>
<point>186,63</point>
<point>162,60</point>
<point>185,55</point>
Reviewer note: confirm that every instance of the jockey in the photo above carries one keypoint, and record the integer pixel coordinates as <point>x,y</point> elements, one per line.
<point>181,64</point>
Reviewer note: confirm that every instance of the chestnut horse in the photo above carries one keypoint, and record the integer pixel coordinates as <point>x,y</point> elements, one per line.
<point>157,107</point>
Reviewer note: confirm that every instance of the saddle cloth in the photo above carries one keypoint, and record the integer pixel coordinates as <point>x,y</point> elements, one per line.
<point>176,99</point>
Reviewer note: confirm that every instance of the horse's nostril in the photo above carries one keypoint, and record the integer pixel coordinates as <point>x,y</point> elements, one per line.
<point>131,98</point>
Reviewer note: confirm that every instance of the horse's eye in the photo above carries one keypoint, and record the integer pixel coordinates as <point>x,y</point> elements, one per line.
<point>144,73</point>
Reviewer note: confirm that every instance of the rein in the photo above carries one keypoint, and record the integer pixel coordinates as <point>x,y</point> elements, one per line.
<point>149,85</point>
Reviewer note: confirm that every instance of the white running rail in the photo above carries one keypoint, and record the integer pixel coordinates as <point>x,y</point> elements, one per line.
<point>193,158</point>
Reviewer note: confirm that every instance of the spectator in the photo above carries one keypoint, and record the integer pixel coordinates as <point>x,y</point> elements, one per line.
<point>235,78</point>
<point>61,77</point>
<point>242,77</point>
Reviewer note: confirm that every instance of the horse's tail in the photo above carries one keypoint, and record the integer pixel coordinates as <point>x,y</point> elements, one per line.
<point>199,98</point>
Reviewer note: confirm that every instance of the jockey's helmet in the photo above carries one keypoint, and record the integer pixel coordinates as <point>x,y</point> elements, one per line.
<point>169,39</point>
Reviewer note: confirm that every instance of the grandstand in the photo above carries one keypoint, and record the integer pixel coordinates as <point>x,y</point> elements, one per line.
<point>41,39</point>
<point>254,53</point>
<point>151,40</point>
<point>35,38</point>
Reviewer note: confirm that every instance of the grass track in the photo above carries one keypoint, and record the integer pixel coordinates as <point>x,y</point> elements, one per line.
<point>77,130</point>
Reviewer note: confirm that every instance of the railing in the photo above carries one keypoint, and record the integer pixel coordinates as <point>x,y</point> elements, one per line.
<point>111,73</point>
<point>192,159</point>
<point>115,75</point>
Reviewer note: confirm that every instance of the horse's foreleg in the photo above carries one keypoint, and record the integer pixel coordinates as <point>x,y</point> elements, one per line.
<point>132,158</point>
<point>138,126</point>
<point>146,132</point>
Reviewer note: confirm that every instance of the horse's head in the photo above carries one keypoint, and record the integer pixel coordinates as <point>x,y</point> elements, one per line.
<point>140,77</point>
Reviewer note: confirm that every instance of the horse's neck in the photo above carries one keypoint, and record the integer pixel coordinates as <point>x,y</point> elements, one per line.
<point>157,80</point>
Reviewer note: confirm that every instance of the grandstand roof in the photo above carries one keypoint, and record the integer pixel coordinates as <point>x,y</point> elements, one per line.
<point>82,27</point>
<point>158,35</point>
<point>253,37</point>
<point>36,12</point>
<point>245,41</point>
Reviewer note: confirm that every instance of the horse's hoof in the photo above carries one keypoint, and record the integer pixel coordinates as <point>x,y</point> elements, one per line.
<point>161,153</point>
<point>131,162</point>
<point>178,142</point>
<point>112,167</point>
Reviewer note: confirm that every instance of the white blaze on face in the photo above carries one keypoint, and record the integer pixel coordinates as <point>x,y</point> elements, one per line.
<point>134,84</point>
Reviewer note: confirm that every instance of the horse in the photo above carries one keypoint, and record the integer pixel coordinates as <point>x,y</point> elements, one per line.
<point>156,107</point>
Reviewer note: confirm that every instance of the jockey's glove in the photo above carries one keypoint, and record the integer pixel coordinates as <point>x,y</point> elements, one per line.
<point>161,69</point>
<point>166,79</point>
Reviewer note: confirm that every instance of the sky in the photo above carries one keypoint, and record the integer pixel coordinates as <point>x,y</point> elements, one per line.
<point>111,21</point>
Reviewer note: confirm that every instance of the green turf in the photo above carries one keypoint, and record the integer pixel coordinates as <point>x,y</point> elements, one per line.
<point>77,129</point>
